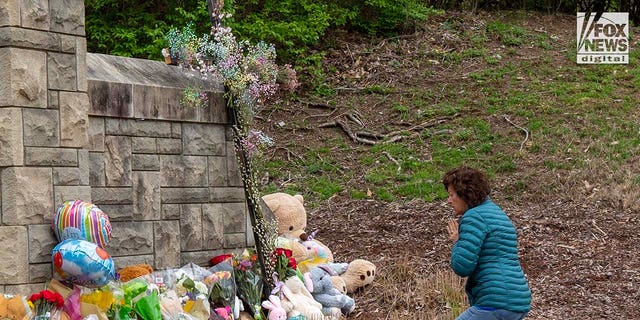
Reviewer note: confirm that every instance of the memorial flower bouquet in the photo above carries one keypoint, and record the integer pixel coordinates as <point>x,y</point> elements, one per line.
<point>249,281</point>
<point>46,304</point>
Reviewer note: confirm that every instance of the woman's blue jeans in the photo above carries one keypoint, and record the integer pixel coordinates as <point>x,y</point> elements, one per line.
<point>475,313</point>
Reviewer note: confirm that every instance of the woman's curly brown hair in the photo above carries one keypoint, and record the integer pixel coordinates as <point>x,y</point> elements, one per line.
<point>471,185</point>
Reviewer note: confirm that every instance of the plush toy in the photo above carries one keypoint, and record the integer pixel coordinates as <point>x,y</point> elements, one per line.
<point>14,307</point>
<point>325,292</point>
<point>291,215</point>
<point>359,274</point>
<point>276,311</point>
<point>299,301</point>
<point>134,271</point>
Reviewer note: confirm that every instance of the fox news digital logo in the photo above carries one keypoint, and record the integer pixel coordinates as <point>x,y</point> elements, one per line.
<point>605,41</point>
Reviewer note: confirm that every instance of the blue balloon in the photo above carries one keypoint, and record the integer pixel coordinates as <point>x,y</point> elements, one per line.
<point>83,263</point>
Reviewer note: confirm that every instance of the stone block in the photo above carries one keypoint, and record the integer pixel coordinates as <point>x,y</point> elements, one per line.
<point>184,195</point>
<point>217,171</point>
<point>200,258</point>
<point>251,241</point>
<point>67,16</point>
<point>138,128</point>
<point>14,267</point>
<point>234,216</point>
<point>235,240</point>
<point>66,176</point>
<point>216,112</point>
<point>176,130</point>
<point>145,162</point>
<point>227,194</point>
<point>61,71</point>
<point>55,157</point>
<point>112,195</point>
<point>117,212</point>
<point>191,227</point>
<point>41,272</point>
<point>96,169</point>
<point>64,193</point>
<point>161,102</point>
<point>29,38</point>
<point>110,99</point>
<point>212,222</point>
<point>171,211</point>
<point>81,64</point>
<point>84,166</point>
<point>68,43</point>
<point>121,262</point>
<point>35,14</point>
<point>117,160</point>
<point>27,196</point>
<point>41,242</point>
<point>24,83</point>
<point>74,119</point>
<point>143,145</point>
<point>41,127</point>
<point>131,238</point>
<point>146,196</point>
<point>10,13</point>
<point>11,137</point>
<point>204,139</point>
<point>24,289</point>
<point>53,99</point>
<point>169,146</point>
<point>96,134</point>
<point>234,177</point>
<point>183,171</point>
<point>167,244</point>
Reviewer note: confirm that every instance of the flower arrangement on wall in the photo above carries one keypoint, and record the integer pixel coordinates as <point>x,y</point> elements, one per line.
<point>250,76</point>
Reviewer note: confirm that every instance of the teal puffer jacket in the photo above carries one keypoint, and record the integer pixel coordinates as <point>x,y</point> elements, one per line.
<point>487,253</point>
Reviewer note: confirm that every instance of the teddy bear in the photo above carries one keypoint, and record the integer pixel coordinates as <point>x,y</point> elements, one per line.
<point>359,273</point>
<point>14,307</point>
<point>134,271</point>
<point>325,292</point>
<point>291,216</point>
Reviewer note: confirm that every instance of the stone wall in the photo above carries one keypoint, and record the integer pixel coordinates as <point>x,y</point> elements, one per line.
<point>108,130</point>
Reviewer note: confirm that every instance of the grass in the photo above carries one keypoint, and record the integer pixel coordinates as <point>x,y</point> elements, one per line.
<point>580,119</point>
<point>583,125</point>
<point>430,294</point>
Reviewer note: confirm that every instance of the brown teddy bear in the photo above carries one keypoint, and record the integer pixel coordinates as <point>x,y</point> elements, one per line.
<point>291,216</point>
<point>14,308</point>
<point>134,271</point>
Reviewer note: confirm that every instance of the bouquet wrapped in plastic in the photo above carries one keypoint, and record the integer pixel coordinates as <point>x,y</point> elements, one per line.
<point>222,295</point>
<point>249,282</point>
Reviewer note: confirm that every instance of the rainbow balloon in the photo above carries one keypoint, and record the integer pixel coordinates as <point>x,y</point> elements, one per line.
<point>77,219</point>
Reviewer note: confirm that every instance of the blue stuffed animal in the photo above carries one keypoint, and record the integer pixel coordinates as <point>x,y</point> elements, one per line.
<point>325,293</point>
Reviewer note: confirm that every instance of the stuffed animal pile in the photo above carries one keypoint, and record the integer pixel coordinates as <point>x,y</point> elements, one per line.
<point>330,281</point>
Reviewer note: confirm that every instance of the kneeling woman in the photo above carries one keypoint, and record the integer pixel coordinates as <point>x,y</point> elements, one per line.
<point>485,250</point>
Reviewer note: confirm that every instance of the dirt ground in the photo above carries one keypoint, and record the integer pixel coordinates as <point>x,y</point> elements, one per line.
<point>579,251</point>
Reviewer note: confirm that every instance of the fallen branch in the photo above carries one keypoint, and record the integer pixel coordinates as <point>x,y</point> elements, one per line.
<point>526,137</point>
<point>318,104</point>
<point>347,130</point>
<point>392,160</point>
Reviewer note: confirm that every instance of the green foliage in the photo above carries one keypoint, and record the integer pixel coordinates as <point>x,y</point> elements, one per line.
<point>137,28</point>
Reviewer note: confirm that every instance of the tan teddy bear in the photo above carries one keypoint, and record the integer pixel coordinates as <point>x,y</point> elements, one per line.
<point>291,216</point>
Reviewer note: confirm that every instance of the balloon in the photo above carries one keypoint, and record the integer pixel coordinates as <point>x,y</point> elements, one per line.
<point>83,263</point>
<point>77,219</point>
